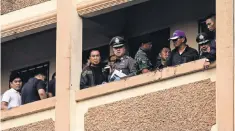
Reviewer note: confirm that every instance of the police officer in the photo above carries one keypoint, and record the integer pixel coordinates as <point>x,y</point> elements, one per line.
<point>123,63</point>
<point>142,57</point>
<point>207,48</point>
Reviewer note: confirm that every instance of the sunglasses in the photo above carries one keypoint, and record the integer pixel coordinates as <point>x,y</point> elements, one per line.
<point>175,40</point>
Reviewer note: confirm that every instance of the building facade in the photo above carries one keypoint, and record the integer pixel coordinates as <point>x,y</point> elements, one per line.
<point>52,35</point>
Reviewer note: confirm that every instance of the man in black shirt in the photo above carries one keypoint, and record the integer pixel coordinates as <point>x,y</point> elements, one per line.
<point>182,52</point>
<point>92,74</point>
<point>34,89</point>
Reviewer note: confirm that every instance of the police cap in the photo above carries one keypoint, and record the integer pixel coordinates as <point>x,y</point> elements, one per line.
<point>202,38</point>
<point>117,41</point>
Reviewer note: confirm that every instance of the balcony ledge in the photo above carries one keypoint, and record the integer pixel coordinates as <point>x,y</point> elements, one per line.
<point>125,84</point>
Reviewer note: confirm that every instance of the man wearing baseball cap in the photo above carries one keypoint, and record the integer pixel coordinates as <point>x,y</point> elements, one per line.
<point>123,63</point>
<point>182,52</point>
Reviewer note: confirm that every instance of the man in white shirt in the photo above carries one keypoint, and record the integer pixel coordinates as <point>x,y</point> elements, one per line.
<point>11,98</point>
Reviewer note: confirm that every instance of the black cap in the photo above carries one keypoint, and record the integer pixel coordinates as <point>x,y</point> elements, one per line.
<point>202,38</point>
<point>117,41</point>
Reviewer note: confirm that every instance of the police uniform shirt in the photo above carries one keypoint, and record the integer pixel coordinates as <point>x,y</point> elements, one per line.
<point>12,97</point>
<point>126,64</point>
<point>142,60</point>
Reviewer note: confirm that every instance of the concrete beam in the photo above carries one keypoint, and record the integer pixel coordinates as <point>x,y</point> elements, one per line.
<point>68,63</point>
<point>225,65</point>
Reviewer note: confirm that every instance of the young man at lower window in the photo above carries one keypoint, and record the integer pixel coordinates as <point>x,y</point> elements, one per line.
<point>11,98</point>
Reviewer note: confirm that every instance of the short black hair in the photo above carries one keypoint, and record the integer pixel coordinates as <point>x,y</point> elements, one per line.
<point>13,76</point>
<point>92,51</point>
<point>164,47</point>
<point>39,73</point>
<point>211,16</point>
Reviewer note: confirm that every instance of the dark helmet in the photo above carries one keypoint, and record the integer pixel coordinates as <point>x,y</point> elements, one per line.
<point>117,41</point>
<point>202,38</point>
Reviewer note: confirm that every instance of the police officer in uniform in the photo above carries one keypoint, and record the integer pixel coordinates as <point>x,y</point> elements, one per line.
<point>142,57</point>
<point>123,63</point>
<point>207,48</point>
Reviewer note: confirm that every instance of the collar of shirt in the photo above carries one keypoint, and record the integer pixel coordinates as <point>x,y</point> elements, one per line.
<point>13,90</point>
<point>185,50</point>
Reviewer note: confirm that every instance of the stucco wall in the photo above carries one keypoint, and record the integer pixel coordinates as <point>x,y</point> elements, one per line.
<point>45,125</point>
<point>175,98</point>
<point>13,5</point>
<point>187,107</point>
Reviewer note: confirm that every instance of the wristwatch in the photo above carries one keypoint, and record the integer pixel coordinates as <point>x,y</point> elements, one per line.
<point>207,60</point>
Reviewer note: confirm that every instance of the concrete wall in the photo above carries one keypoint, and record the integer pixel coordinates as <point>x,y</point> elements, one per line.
<point>186,107</point>
<point>43,120</point>
<point>173,104</point>
<point>27,51</point>
<point>184,101</point>
<point>8,6</point>
<point>45,125</point>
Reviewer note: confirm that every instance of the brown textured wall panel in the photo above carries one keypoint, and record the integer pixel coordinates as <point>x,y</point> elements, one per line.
<point>46,125</point>
<point>189,107</point>
<point>13,5</point>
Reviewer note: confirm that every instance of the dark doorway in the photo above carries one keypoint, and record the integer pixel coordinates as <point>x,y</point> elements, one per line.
<point>159,40</point>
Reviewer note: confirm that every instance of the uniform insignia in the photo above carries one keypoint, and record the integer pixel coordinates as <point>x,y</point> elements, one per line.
<point>89,72</point>
<point>201,37</point>
<point>84,73</point>
<point>117,40</point>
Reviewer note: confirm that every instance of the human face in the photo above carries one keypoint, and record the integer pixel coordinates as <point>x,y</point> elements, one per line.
<point>119,51</point>
<point>165,53</point>
<point>178,42</point>
<point>210,24</point>
<point>147,46</point>
<point>95,57</point>
<point>16,84</point>
<point>204,47</point>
